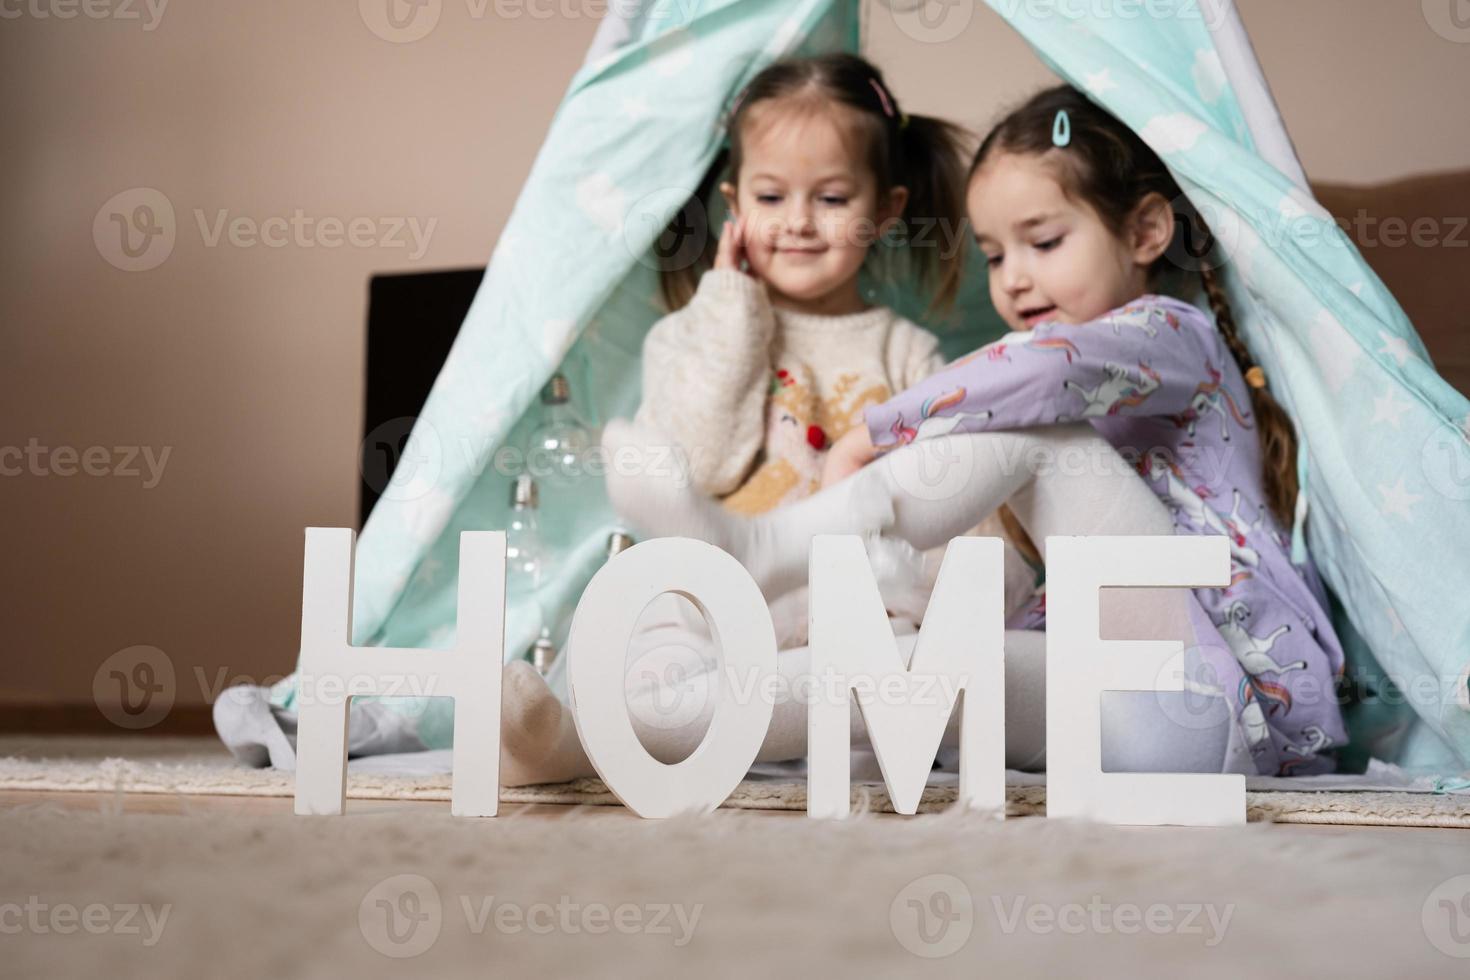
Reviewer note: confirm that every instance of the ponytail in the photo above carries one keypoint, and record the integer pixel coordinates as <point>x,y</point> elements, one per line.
<point>932,155</point>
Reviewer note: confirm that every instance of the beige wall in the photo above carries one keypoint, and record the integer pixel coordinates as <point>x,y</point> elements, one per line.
<point>1368,90</point>
<point>245,362</point>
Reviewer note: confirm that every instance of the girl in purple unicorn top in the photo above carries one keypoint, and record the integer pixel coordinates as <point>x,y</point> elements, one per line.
<point>1078,220</point>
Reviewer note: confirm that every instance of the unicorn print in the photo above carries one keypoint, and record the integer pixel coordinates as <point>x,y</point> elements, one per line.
<point>1253,722</point>
<point>1142,317</point>
<point>1180,498</point>
<point>1253,652</point>
<point>1241,528</point>
<point>1120,390</point>
<point>1140,376</point>
<point>1211,396</point>
<point>1317,740</point>
<point>996,350</point>
<point>1259,698</point>
<point>943,425</point>
<point>931,422</point>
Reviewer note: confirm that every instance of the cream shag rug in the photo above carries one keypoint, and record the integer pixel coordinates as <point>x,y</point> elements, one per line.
<point>395,892</point>
<point>202,766</point>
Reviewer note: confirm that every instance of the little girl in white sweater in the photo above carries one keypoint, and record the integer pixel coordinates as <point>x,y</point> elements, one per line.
<point>771,355</point>
<point>753,389</point>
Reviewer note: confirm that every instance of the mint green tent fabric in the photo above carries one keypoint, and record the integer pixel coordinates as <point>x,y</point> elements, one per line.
<point>1386,442</point>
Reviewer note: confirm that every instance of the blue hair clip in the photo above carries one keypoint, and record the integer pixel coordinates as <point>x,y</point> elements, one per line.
<point>1061,129</point>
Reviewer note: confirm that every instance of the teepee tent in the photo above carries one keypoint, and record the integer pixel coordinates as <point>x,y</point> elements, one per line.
<point>571,287</point>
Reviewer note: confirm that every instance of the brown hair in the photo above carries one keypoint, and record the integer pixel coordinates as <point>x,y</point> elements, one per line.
<point>920,152</point>
<point>1107,166</point>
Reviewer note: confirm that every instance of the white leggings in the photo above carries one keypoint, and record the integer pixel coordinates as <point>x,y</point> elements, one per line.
<point>1059,480</point>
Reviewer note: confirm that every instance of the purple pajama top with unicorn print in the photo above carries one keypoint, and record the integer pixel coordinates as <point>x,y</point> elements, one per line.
<point>1156,380</point>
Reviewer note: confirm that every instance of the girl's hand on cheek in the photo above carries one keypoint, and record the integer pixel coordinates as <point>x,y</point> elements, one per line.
<point>730,252</point>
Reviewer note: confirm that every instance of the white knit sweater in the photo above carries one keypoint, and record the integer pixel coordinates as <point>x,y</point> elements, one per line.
<point>756,395</point>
